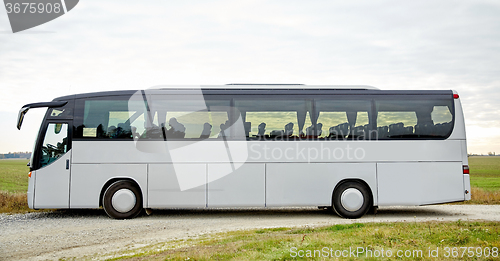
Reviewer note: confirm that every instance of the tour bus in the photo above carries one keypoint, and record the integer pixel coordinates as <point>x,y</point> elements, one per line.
<point>346,148</point>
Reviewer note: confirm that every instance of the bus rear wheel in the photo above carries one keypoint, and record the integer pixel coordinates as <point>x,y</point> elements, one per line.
<point>122,200</point>
<point>351,199</point>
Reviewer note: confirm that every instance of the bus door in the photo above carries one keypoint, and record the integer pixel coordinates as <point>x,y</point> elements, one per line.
<point>52,162</point>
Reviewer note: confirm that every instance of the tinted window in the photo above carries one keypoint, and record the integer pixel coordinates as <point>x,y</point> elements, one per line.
<point>169,117</point>
<point>345,118</point>
<point>110,118</point>
<point>190,117</point>
<point>402,117</point>
<point>277,118</point>
<point>265,117</point>
<point>64,112</point>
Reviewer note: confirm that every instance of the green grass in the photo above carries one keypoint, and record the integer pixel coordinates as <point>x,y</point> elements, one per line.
<point>14,175</point>
<point>13,186</point>
<point>485,172</point>
<point>485,166</point>
<point>285,243</point>
<point>488,184</point>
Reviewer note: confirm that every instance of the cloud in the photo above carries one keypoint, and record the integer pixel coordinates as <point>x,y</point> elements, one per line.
<point>110,45</point>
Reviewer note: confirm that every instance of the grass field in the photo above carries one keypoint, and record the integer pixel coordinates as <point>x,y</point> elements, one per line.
<point>411,240</point>
<point>485,172</point>
<point>485,181</point>
<point>14,175</point>
<point>13,186</point>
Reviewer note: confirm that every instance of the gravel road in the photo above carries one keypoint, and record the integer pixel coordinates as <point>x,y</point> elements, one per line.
<point>90,234</point>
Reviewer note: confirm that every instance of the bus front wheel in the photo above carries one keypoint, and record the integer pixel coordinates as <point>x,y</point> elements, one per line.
<point>122,200</point>
<point>351,199</point>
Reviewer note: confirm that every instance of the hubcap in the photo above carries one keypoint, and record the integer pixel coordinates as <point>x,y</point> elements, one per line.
<point>123,200</point>
<point>351,199</point>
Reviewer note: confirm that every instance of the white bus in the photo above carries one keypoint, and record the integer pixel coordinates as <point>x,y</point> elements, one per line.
<point>349,148</point>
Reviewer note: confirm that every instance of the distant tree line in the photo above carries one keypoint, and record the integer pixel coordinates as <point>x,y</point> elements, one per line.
<point>16,155</point>
<point>489,154</point>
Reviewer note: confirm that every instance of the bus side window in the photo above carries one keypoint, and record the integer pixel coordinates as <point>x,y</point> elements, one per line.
<point>276,118</point>
<point>344,119</point>
<point>414,119</point>
<point>64,112</point>
<point>186,117</point>
<point>109,119</point>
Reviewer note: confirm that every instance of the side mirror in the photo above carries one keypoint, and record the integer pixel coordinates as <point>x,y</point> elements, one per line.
<point>57,128</point>
<point>20,116</point>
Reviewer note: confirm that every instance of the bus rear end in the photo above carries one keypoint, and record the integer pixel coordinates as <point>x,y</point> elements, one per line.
<point>459,134</point>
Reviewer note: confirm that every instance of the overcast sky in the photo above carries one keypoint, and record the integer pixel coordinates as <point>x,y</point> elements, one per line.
<point>114,45</point>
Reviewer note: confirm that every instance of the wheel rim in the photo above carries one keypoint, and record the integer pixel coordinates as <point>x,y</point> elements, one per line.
<point>352,199</point>
<point>123,200</point>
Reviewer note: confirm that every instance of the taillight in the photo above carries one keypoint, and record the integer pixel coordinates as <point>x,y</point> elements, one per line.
<point>466,169</point>
<point>455,96</point>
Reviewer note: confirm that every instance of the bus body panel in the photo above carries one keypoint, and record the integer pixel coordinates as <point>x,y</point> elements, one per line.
<point>419,183</point>
<point>88,180</point>
<point>458,132</point>
<point>303,184</point>
<point>465,158</point>
<point>279,151</point>
<point>31,189</point>
<point>355,151</point>
<point>164,190</point>
<point>245,187</point>
<point>467,187</point>
<point>52,184</point>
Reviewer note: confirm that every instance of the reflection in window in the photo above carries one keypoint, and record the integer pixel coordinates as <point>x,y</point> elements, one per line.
<point>56,112</point>
<point>332,118</point>
<point>414,119</point>
<point>344,119</point>
<point>190,117</point>
<point>272,123</point>
<point>385,118</point>
<point>111,119</point>
<point>64,112</point>
<point>198,124</point>
<point>441,114</point>
<point>266,118</point>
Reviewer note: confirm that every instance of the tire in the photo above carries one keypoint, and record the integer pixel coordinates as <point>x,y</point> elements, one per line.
<point>351,199</point>
<point>122,200</point>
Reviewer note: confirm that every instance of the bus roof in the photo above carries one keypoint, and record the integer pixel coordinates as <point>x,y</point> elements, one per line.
<point>262,89</point>
<point>271,86</point>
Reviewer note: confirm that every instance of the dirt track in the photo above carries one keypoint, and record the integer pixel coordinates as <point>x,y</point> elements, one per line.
<point>91,234</point>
